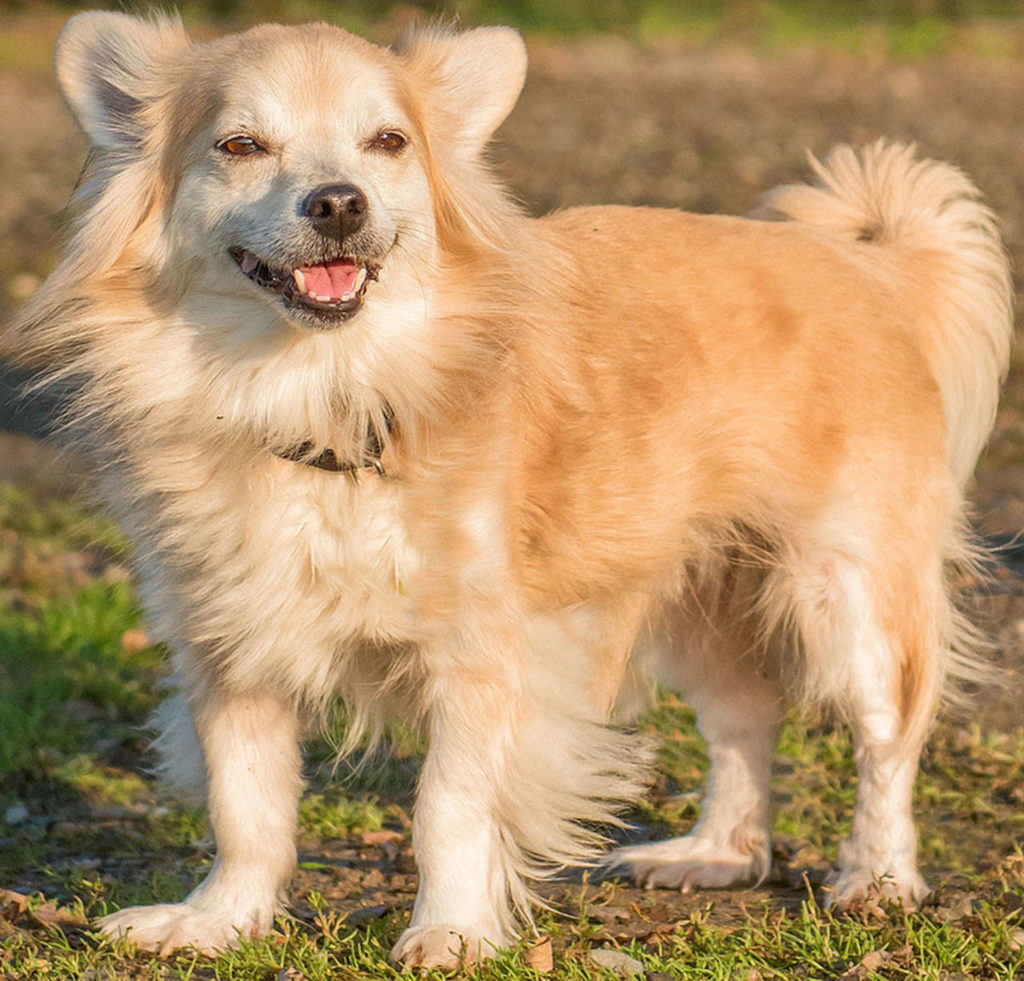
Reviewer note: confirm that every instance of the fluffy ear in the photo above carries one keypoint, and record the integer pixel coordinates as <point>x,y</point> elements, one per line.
<point>468,83</point>
<point>104,61</point>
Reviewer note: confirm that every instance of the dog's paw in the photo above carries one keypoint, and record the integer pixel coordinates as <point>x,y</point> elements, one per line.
<point>170,926</point>
<point>692,862</point>
<point>858,889</point>
<point>443,947</point>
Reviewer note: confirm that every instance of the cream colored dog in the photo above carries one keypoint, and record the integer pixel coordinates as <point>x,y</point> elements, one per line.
<point>377,434</point>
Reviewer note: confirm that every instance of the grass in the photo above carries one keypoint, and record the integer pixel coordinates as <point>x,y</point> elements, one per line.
<point>88,832</point>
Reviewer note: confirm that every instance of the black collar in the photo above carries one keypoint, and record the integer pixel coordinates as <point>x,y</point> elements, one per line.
<point>328,460</point>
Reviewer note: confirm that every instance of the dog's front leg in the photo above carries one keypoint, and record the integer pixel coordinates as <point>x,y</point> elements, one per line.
<point>250,744</point>
<point>462,910</point>
<point>520,772</point>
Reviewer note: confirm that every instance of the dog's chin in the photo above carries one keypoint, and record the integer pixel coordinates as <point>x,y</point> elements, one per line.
<point>314,317</point>
<point>342,282</point>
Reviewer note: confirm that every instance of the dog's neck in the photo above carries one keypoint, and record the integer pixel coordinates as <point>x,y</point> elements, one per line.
<point>327,459</point>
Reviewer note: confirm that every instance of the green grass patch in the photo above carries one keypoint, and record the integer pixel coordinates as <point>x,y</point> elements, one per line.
<point>65,677</point>
<point>334,814</point>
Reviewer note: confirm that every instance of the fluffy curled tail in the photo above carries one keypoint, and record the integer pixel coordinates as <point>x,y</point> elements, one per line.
<point>930,214</point>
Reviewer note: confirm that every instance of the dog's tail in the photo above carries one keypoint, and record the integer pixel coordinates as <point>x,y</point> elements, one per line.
<point>946,244</point>
<point>924,220</point>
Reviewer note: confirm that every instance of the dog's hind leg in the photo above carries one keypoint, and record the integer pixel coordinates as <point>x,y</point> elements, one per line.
<point>892,691</point>
<point>738,702</point>
<point>181,767</point>
<point>874,624</point>
<point>250,744</point>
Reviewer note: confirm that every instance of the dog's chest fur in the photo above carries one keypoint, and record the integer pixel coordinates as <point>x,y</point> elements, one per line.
<point>351,541</point>
<point>287,575</point>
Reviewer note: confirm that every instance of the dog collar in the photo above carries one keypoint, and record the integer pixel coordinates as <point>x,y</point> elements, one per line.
<point>328,460</point>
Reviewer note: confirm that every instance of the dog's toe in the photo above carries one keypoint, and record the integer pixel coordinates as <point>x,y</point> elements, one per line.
<point>171,926</point>
<point>442,947</point>
<point>690,863</point>
<point>860,889</point>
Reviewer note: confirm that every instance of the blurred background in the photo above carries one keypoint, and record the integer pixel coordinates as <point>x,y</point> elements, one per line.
<point>695,105</point>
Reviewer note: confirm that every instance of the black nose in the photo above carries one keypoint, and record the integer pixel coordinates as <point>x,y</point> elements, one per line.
<point>337,210</point>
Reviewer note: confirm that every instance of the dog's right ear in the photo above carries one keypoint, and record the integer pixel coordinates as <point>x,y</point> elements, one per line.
<point>105,62</point>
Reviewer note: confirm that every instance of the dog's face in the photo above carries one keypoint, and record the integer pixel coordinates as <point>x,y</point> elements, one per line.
<point>296,165</point>
<point>310,177</point>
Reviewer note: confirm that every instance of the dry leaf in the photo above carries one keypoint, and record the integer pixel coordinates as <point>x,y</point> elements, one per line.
<point>366,913</point>
<point>52,915</point>
<point>12,903</point>
<point>539,956</point>
<point>607,914</point>
<point>874,960</point>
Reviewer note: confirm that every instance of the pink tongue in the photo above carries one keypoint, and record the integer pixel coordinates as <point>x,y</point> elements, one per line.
<point>332,279</point>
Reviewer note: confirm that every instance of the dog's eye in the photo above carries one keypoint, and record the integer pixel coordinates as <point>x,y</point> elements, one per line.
<point>389,141</point>
<point>239,146</point>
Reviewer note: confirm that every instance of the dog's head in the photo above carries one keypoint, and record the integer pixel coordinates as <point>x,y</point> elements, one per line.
<point>282,172</point>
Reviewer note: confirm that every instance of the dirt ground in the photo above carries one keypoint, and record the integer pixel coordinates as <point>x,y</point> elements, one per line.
<point>601,121</point>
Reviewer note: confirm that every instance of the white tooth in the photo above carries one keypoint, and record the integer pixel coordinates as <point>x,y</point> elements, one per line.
<point>300,280</point>
<point>348,296</point>
<point>360,279</point>
<point>319,298</point>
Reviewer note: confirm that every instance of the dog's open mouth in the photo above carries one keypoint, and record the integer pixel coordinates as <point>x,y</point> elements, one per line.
<point>325,293</point>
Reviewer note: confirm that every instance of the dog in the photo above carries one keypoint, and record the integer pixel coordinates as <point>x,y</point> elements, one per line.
<point>378,436</point>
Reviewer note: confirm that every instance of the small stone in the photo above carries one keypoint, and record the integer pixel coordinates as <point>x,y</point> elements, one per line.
<point>618,963</point>
<point>1016,941</point>
<point>607,914</point>
<point>373,879</point>
<point>367,913</point>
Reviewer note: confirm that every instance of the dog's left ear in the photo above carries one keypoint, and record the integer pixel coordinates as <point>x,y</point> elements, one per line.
<point>467,83</point>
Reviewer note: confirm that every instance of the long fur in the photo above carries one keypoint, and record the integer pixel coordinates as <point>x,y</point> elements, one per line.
<point>743,441</point>
<point>932,211</point>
